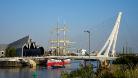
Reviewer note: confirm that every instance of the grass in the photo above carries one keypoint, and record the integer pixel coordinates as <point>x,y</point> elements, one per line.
<point>123,67</point>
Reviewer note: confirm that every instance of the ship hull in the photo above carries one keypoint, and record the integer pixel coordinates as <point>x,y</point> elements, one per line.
<point>53,62</point>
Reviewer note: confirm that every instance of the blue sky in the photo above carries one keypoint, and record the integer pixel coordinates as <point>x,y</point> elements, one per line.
<point>37,18</point>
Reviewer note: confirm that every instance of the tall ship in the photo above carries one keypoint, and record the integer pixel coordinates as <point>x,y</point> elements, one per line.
<point>59,47</point>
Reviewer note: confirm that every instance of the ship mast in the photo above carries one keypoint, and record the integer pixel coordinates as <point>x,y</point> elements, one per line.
<point>60,43</point>
<point>58,46</point>
<point>64,44</point>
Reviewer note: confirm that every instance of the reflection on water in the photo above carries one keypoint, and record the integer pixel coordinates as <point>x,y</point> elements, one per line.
<point>15,73</point>
<point>38,72</point>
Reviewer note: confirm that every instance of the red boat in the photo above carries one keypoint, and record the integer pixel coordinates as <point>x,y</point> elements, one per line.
<point>52,62</point>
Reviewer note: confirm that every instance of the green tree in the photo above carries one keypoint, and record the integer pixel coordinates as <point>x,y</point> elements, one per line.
<point>10,52</point>
<point>130,61</point>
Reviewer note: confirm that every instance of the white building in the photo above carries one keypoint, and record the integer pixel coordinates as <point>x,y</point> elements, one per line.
<point>2,53</point>
<point>81,52</point>
<point>2,50</point>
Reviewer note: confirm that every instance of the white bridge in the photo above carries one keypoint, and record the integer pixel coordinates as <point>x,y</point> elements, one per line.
<point>102,55</point>
<point>62,57</point>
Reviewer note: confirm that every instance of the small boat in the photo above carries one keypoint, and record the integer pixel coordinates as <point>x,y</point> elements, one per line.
<point>57,66</point>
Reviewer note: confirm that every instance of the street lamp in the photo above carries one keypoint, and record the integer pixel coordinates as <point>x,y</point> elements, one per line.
<point>89,41</point>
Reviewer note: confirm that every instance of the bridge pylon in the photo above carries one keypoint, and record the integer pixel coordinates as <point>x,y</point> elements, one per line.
<point>110,44</point>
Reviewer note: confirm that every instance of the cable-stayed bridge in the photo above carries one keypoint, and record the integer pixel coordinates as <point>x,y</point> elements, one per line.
<point>102,55</point>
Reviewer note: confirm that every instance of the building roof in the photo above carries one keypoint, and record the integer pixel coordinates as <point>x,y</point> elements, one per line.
<point>20,43</point>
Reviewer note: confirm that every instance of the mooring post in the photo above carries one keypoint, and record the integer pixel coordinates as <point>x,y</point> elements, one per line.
<point>84,63</point>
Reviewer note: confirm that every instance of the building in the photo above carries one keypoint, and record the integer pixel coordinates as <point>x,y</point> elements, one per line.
<point>81,52</point>
<point>2,50</point>
<point>26,47</point>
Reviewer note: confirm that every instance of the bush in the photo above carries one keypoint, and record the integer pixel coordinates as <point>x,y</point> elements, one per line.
<point>128,60</point>
<point>10,52</point>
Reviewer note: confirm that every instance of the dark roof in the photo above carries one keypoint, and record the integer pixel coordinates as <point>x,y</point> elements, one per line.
<point>20,43</point>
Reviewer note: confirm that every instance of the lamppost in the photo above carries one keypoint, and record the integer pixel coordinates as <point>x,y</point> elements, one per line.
<point>89,41</point>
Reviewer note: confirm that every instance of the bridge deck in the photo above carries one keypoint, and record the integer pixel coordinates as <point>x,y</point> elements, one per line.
<point>63,57</point>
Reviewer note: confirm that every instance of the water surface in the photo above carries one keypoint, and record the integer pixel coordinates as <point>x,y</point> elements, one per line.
<point>38,72</point>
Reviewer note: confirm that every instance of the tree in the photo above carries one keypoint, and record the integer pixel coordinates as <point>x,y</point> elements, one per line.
<point>10,52</point>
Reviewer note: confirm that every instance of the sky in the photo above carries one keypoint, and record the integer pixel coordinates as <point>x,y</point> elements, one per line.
<point>38,18</point>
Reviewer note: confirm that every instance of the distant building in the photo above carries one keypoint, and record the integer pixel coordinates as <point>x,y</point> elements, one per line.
<point>2,49</point>
<point>81,52</point>
<point>26,47</point>
<point>2,53</point>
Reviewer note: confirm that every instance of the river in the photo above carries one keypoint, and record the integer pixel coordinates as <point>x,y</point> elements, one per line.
<point>38,72</point>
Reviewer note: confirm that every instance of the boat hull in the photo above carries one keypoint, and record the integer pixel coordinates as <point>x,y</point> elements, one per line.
<point>53,62</point>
